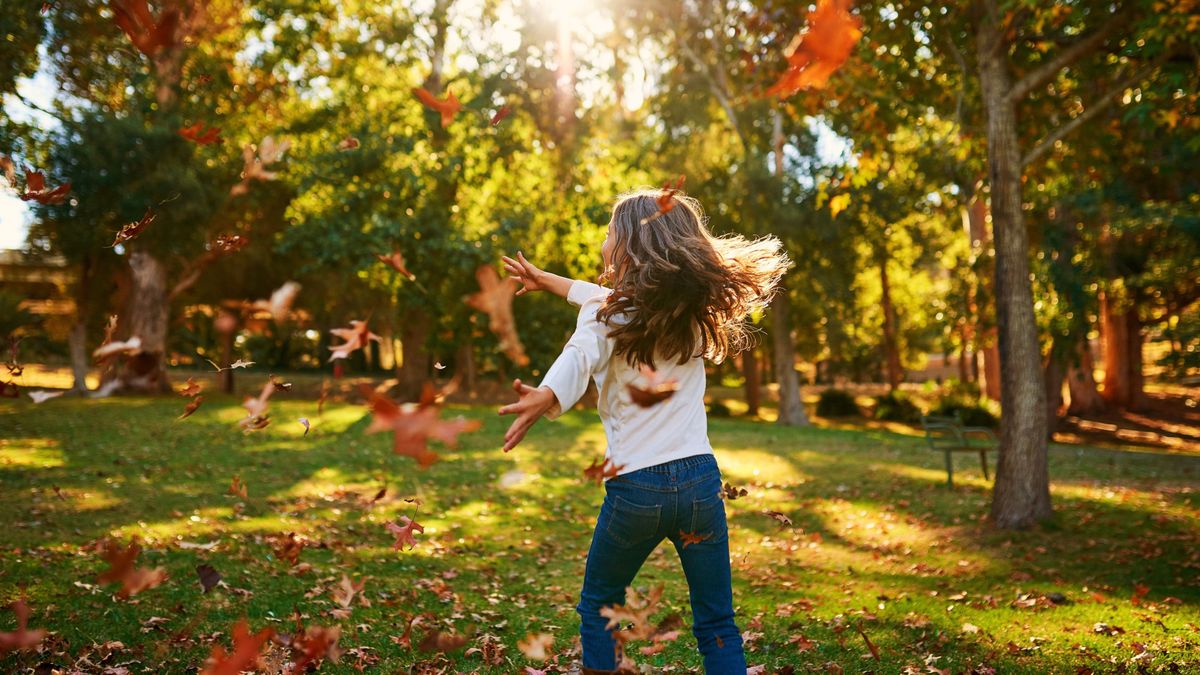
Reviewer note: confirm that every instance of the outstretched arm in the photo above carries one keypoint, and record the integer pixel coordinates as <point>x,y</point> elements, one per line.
<point>534,279</point>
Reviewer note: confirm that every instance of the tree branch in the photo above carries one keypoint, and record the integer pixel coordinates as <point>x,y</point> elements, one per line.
<point>192,271</point>
<point>30,104</point>
<point>1101,104</point>
<point>1081,48</point>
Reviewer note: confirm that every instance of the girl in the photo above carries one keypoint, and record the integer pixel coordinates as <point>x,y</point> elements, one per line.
<point>679,295</point>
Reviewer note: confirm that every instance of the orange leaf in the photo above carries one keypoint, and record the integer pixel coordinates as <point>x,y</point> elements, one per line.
<point>447,108</point>
<point>816,53</point>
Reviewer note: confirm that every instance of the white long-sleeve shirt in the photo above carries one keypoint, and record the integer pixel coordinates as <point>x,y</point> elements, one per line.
<point>637,437</point>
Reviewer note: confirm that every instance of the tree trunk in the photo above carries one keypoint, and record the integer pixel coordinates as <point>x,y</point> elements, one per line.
<point>1081,382</point>
<point>148,317</point>
<point>1054,373</point>
<point>752,382</point>
<point>791,407</point>
<point>975,217</point>
<point>1022,488</point>
<point>1122,328</point>
<point>415,361</point>
<point>77,343</point>
<point>891,348</point>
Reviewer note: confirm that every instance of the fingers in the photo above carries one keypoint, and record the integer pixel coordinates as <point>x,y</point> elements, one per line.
<point>516,385</point>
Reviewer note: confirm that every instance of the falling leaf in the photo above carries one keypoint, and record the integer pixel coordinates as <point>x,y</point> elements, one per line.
<point>500,115</point>
<point>314,644</point>
<point>36,190</point>
<point>821,49</point>
<point>348,143</point>
<point>146,33</point>
<point>599,471</point>
<point>356,337</point>
<point>438,365</point>
<point>536,647</point>
<point>343,594</point>
<point>495,298</point>
<point>396,261</point>
<point>191,407</point>
<point>280,303</point>
<point>278,383</point>
<point>197,133</point>
<point>731,493</point>
<point>135,228</point>
<point>304,421</point>
<point>636,611</point>
<point>190,388</point>
<point>40,396</point>
<point>21,638</point>
<point>688,538</point>
<point>246,650</point>
<point>209,577</point>
<point>665,201</point>
<point>237,488</point>
<point>254,163</point>
<point>654,392</point>
<point>404,532</point>
<point>131,346</point>
<point>121,569</point>
<point>437,641</point>
<point>783,519</point>
<point>870,645</point>
<point>229,243</point>
<point>447,108</point>
<point>838,203</point>
<point>256,408</point>
<point>413,425</point>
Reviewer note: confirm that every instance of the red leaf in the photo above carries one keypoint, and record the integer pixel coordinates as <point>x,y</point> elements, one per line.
<point>201,136</point>
<point>404,532</point>
<point>246,650</point>
<point>237,488</point>
<point>821,49</point>
<point>35,190</point>
<point>654,392</point>
<point>288,547</point>
<point>348,143</point>
<point>135,228</point>
<point>396,262</point>
<point>500,115</point>
<point>190,388</point>
<point>666,200</point>
<point>447,108</point>
<point>356,337</point>
<point>22,637</point>
<point>688,538</point>
<point>495,297</point>
<point>191,407</point>
<point>121,569</point>
<point>413,425</point>
<point>313,644</point>
<point>148,35</point>
<point>605,469</point>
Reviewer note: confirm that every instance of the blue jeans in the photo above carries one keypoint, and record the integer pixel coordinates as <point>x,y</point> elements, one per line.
<point>640,509</point>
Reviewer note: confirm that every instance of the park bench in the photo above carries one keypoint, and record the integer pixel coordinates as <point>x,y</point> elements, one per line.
<point>949,435</point>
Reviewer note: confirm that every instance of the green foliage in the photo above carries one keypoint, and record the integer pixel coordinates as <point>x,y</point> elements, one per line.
<point>897,406</point>
<point>973,412</point>
<point>13,317</point>
<point>837,403</point>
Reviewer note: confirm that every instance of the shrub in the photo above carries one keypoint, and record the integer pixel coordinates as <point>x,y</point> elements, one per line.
<point>836,403</point>
<point>972,412</point>
<point>896,406</point>
<point>718,409</point>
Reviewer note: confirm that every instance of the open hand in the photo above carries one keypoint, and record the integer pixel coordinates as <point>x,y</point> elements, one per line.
<point>529,409</point>
<point>531,278</point>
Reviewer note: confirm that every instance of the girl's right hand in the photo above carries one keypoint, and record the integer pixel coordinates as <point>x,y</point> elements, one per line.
<point>531,278</point>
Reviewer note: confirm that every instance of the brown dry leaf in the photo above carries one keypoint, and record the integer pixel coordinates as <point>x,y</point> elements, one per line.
<point>536,647</point>
<point>121,569</point>
<point>654,392</point>
<point>495,298</point>
<point>246,651</point>
<point>413,425</point>
<point>356,337</point>
<point>605,469</point>
<point>22,637</point>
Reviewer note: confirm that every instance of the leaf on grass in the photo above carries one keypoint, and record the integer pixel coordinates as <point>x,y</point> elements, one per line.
<point>437,641</point>
<point>247,649</point>
<point>287,548</point>
<point>209,576</point>
<point>22,637</point>
<point>654,391</point>
<point>237,488</point>
<point>121,569</point>
<point>36,190</point>
<point>356,337</point>
<point>404,532</point>
<point>446,108</point>
<point>817,52</point>
<point>495,298</point>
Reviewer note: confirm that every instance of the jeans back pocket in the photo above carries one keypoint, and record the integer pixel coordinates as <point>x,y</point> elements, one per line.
<point>632,524</point>
<point>708,517</point>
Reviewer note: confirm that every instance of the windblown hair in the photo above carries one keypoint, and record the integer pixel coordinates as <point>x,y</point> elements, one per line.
<point>679,291</point>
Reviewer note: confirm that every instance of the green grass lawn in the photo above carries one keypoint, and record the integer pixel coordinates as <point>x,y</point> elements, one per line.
<point>878,544</point>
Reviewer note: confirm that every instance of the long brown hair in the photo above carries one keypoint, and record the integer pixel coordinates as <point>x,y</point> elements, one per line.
<point>679,291</point>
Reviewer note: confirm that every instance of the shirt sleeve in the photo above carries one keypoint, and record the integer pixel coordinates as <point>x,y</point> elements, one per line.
<point>581,291</point>
<point>586,352</point>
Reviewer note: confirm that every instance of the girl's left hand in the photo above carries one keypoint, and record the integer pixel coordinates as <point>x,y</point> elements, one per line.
<point>529,409</point>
